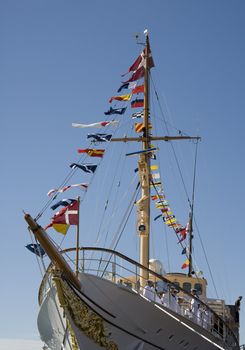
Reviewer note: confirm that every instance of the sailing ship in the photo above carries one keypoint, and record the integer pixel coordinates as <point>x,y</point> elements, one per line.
<point>95,297</point>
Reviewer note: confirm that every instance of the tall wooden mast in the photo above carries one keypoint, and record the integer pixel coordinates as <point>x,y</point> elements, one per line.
<point>144,173</point>
<point>143,225</point>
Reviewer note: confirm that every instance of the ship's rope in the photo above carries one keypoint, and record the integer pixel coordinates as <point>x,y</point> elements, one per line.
<point>40,259</point>
<point>175,155</point>
<point>154,116</point>
<point>122,225</point>
<point>199,236</point>
<point>42,269</point>
<point>190,202</point>
<point>118,207</point>
<point>41,265</point>
<point>112,187</point>
<point>206,258</point>
<point>70,174</point>
<point>182,244</point>
<point>114,199</point>
<point>171,143</point>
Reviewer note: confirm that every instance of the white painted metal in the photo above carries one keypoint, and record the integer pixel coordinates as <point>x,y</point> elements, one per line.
<point>137,323</point>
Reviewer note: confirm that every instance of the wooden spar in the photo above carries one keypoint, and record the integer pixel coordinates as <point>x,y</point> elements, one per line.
<point>144,173</point>
<point>53,253</point>
<point>154,138</point>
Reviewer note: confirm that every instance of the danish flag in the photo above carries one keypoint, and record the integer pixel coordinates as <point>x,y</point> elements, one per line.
<point>67,215</point>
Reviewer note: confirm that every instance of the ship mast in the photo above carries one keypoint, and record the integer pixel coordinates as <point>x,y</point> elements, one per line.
<point>144,173</point>
<point>143,220</point>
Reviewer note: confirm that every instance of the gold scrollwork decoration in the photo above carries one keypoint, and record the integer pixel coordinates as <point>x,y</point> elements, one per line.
<point>85,319</point>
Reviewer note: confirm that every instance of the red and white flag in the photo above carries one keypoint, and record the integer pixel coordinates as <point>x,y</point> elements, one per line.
<point>138,67</point>
<point>64,218</point>
<point>82,186</point>
<point>67,215</point>
<point>96,125</point>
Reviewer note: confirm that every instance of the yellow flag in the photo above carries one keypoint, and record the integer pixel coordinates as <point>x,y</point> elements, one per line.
<point>170,222</point>
<point>120,98</point>
<point>154,167</point>
<point>185,264</point>
<point>61,228</point>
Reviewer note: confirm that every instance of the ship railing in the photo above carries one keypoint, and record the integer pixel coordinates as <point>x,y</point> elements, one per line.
<point>118,268</point>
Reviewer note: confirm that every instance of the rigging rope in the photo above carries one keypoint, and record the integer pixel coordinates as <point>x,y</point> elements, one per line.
<point>110,192</point>
<point>42,265</point>
<point>122,225</point>
<point>191,203</point>
<point>172,146</point>
<point>71,173</point>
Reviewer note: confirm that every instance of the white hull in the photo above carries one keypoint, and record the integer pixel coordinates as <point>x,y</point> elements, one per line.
<point>131,321</point>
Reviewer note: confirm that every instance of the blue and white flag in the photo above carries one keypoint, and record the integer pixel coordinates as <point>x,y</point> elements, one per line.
<point>63,203</point>
<point>88,168</point>
<point>100,137</point>
<point>36,249</point>
<point>115,111</point>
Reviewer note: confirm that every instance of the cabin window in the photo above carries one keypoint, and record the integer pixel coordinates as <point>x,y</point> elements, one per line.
<point>187,287</point>
<point>198,288</point>
<point>176,283</point>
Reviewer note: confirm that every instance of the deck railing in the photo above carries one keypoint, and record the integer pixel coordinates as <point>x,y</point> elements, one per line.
<point>118,268</point>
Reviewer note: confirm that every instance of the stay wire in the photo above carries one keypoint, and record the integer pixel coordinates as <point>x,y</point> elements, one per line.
<point>122,226</point>
<point>159,161</point>
<point>67,178</point>
<point>110,192</point>
<point>114,213</point>
<point>161,201</point>
<point>42,265</point>
<point>206,258</point>
<point>172,146</point>
<point>191,203</point>
<point>192,214</point>
<point>98,237</point>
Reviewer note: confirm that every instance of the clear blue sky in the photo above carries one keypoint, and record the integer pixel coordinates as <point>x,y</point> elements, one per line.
<point>60,61</point>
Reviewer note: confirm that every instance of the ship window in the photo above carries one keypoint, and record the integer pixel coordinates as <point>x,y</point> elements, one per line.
<point>198,288</point>
<point>187,287</point>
